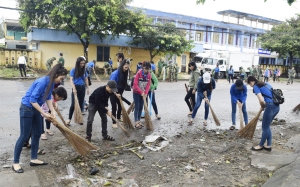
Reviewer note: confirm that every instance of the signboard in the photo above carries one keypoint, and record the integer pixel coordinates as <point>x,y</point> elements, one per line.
<point>264,51</point>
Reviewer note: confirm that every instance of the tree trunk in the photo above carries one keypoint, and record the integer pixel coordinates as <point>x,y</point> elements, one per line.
<point>86,52</point>
<point>291,59</point>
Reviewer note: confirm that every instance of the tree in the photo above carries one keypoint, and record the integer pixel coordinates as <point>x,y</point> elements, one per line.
<point>290,2</point>
<point>84,18</point>
<point>2,34</point>
<point>283,39</point>
<point>163,39</point>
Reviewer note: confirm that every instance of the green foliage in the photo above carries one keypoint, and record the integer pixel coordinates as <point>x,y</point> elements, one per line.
<point>82,17</point>
<point>163,39</point>
<point>290,2</point>
<point>2,34</point>
<point>284,38</point>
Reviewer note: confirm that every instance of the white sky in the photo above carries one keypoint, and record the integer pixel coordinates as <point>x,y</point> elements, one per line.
<point>276,9</point>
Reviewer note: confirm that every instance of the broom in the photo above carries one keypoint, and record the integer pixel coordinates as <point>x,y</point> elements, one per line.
<point>131,108</point>
<point>248,130</point>
<point>77,111</point>
<point>98,79</point>
<point>148,121</point>
<point>80,145</point>
<point>126,119</point>
<point>121,126</point>
<point>241,118</point>
<point>296,108</point>
<point>212,111</point>
<point>60,116</point>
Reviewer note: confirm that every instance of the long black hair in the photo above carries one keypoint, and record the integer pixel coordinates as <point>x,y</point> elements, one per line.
<point>123,75</point>
<point>78,70</point>
<point>257,82</point>
<point>192,64</point>
<point>56,71</point>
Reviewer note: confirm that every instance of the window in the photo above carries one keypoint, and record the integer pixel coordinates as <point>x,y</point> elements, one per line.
<point>216,38</point>
<point>230,39</point>
<point>222,62</point>
<point>245,42</point>
<point>252,43</point>
<point>21,46</point>
<point>199,36</point>
<point>103,53</point>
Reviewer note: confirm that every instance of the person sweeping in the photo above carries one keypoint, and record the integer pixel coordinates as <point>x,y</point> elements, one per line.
<point>264,94</point>
<point>30,114</point>
<point>238,93</point>
<point>98,102</point>
<point>205,86</point>
<point>151,94</point>
<point>194,77</point>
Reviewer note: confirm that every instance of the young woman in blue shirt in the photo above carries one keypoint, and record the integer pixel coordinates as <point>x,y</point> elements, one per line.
<point>79,83</point>
<point>264,94</point>
<point>30,114</point>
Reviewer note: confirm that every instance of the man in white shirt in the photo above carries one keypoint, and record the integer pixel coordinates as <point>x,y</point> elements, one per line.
<point>22,64</point>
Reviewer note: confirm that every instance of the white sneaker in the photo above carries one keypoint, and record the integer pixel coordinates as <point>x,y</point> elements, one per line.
<point>115,126</point>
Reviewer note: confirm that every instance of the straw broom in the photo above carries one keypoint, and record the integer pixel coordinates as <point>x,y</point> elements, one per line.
<point>241,118</point>
<point>296,108</point>
<point>80,145</point>
<point>60,116</point>
<point>98,79</point>
<point>77,111</point>
<point>248,130</point>
<point>126,119</point>
<point>148,121</point>
<point>121,126</point>
<point>131,108</point>
<point>212,111</point>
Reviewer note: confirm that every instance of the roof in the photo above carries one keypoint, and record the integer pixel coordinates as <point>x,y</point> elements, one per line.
<point>247,16</point>
<point>12,22</point>
<point>197,20</point>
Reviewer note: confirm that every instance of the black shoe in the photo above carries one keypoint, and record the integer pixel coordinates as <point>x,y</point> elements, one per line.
<point>253,149</point>
<point>17,171</point>
<point>36,164</point>
<point>268,148</point>
<point>88,138</point>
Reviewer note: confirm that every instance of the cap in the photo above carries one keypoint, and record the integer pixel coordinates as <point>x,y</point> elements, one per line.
<point>206,77</point>
<point>112,85</point>
<point>239,84</point>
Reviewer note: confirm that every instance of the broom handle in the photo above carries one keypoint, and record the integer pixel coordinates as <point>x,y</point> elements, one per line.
<point>62,119</point>
<point>241,117</point>
<point>126,132</point>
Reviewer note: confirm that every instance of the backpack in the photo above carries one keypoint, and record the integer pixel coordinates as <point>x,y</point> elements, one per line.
<point>277,96</point>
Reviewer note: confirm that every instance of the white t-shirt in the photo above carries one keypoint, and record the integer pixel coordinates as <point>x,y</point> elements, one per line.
<point>22,60</point>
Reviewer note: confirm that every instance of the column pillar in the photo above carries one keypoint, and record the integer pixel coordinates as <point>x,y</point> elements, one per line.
<point>211,37</point>
<point>227,37</point>
<point>255,38</point>
<point>228,18</point>
<point>242,41</point>
<point>195,27</point>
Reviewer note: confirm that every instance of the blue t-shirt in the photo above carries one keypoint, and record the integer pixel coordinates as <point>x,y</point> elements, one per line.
<point>240,95</point>
<point>153,67</point>
<point>217,70</point>
<point>110,62</point>
<point>90,65</point>
<point>230,71</point>
<point>35,93</point>
<point>265,91</point>
<point>78,80</point>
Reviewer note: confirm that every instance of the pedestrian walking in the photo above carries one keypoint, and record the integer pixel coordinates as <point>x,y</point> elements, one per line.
<point>274,74</point>
<point>160,67</point>
<point>205,86</point>
<point>278,75</point>
<point>291,74</point>
<point>216,72</point>
<point>98,102</point>
<point>238,93</point>
<point>176,69</point>
<point>266,75</point>
<point>193,80</point>
<point>254,71</point>
<point>242,73</point>
<point>120,76</point>
<point>171,71</point>
<point>263,91</point>
<point>90,67</point>
<point>260,73</point>
<point>230,74</point>
<point>49,63</point>
<point>22,65</point>
<point>61,59</point>
<point>79,84</point>
<point>30,114</point>
<point>141,86</point>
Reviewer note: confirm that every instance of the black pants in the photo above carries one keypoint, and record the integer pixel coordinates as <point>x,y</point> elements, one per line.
<point>92,111</point>
<point>230,76</point>
<point>153,101</point>
<point>22,67</point>
<point>266,79</point>
<point>48,123</point>
<point>116,107</point>
<point>80,95</point>
<point>188,96</point>
<point>274,78</point>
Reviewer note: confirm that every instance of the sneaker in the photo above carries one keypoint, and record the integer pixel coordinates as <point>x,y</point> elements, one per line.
<point>120,120</point>
<point>88,138</point>
<point>115,126</point>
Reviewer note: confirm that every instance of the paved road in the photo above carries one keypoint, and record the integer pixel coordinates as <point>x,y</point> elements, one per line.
<point>171,106</point>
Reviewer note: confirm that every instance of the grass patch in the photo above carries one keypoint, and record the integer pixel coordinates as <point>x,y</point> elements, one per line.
<point>9,72</point>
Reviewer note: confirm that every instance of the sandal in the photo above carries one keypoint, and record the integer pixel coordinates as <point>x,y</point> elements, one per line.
<point>232,128</point>
<point>41,152</point>
<point>205,123</point>
<point>138,125</point>
<point>27,145</point>
<point>190,122</point>
<point>158,117</point>
<point>190,114</point>
<point>44,137</point>
<point>49,132</point>
<point>68,122</point>
<point>109,138</point>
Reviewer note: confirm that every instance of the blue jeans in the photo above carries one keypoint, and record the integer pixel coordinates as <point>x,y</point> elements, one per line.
<point>271,111</point>
<point>31,121</point>
<point>153,102</point>
<point>138,106</point>
<point>233,113</point>
<point>198,103</point>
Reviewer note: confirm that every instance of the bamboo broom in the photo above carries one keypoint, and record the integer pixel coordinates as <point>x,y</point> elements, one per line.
<point>60,116</point>
<point>241,118</point>
<point>77,111</point>
<point>296,108</point>
<point>80,145</point>
<point>121,126</point>
<point>126,119</point>
<point>212,111</point>
<point>148,121</point>
<point>131,108</point>
<point>98,79</point>
<point>248,130</point>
